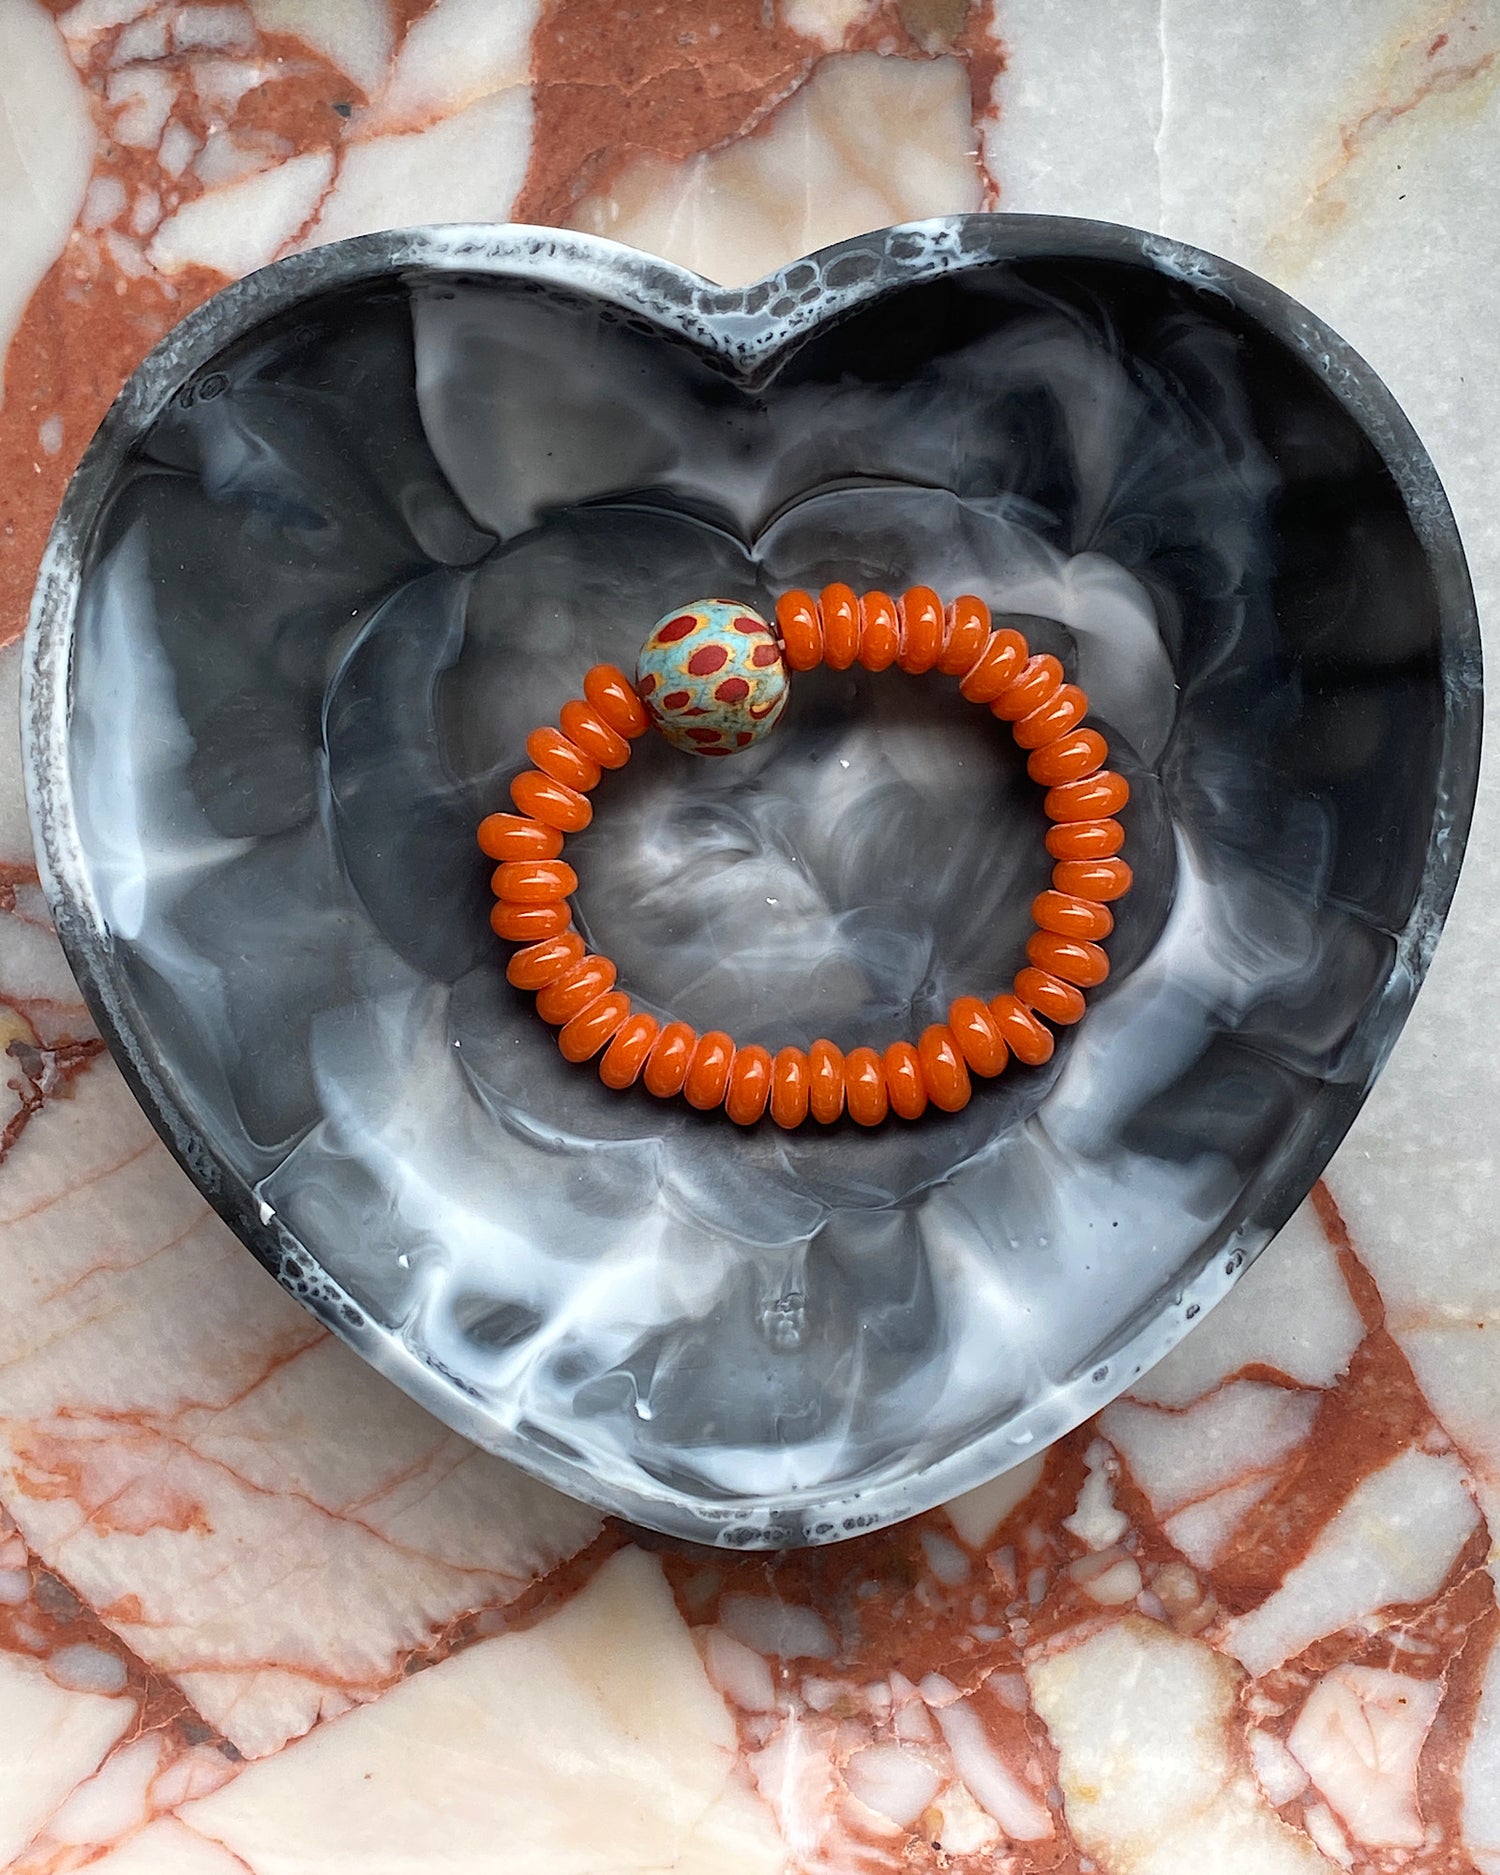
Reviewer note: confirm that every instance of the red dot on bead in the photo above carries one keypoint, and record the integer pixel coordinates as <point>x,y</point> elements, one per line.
<point>674,699</point>
<point>708,659</point>
<point>675,628</point>
<point>704,735</point>
<point>750,626</point>
<point>732,690</point>
<point>647,684</point>
<point>757,710</point>
<point>764,656</point>
<point>744,738</point>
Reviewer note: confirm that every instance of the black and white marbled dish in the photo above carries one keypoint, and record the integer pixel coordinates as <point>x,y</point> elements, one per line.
<point>364,520</point>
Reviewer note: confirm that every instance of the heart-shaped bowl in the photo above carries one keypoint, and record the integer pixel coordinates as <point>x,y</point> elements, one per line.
<point>363,520</point>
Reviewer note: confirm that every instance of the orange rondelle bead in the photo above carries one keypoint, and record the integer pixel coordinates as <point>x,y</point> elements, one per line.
<point>995,667</point>
<point>789,1088</point>
<point>667,1064</point>
<point>540,964</point>
<point>708,1071</point>
<point>551,801</point>
<point>1085,839</point>
<point>533,881</point>
<point>552,752</point>
<point>1092,798</point>
<point>904,1084</point>
<point>526,924</point>
<point>513,836</point>
<point>1069,758</point>
<point>626,1055</point>
<point>864,1087</point>
<point>571,993</point>
<point>978,1036</point>
<point>1065,709</point>
<point>1058,1001</point>
<point>583,725</point>
<point>943,1067</point>
<point>825,1082</point>
<point>613,695</point>
<point>1037,683</point>
<point>879,631</point>
<point>581,1038</point>
<point>840,608</point>
<point>1071,917</point>
<point>749,1084</point>
<point>1075,960</point>
<point>1029,1039</point>
<point>923,628</point>
<point>801,628</point>
<point>1098,879</point>
<point>967,635</point>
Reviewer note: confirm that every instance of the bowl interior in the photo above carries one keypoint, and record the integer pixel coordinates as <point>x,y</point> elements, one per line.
<point>327,587</point>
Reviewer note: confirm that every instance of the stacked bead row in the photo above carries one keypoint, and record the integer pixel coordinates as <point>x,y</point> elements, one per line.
<point>577,993</point>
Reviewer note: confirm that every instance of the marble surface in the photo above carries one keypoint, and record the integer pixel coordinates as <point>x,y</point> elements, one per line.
<point>257,1612</point>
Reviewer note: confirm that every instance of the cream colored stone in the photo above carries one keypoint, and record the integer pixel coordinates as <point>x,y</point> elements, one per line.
<point>466,167</point>
<point>591,1742</point>
<point>46,150</point>
<point>1358,1737</point>
<point>1291,1310</point>
<point>50,1741</point>
<point>1202,1530</point>
<point>167,1848</point>
<point>456,54</point>
<point>867,141</point>
<point>240,227</point>
<point>829,22</point>
<point>354,35</point>
<point>979,1513</point>
<point>1140,1718</point>
<point>254,1509</point>
<point>1394,1540</point>
<point>1180,1457</point>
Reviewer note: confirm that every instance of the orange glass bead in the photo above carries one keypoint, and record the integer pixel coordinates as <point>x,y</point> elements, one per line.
<point>581,1038</point>
<point>533,881</point>
<point>904,1084</point>
<point>708,1071</point>
<point>540,964</point>
<point>1058,1001</point>
<point>995,667</point>
<point>1065,709</point>
<point>613,695</point>
<point>526,924</point>
<point>967,635</point>
<point>1075,960</point>
<point>1028,1038</point>
<point>667,1064</point>
<point>1037,683</point>
<point>1092,798</point>
<point>551,801</point>
<point>571,993</point>
<point>879,631</point>
<point>1085,839</point>
<point>552,752</point>
<point>943,1068</point>
<point>923,628</point>
<point>801,628</point>
<point>749,1084</point>
<point>865,1092</point>
<point>513,836</point>
<point>1098,879</point>
<point>978,1036</point>
<point>789,1088</point>
<point>1069,758</point>
<point>586,728</point>
<point>626,1055</point>
<point>825,1082</point>
<point>840,609</point>
<point>1071,917</point>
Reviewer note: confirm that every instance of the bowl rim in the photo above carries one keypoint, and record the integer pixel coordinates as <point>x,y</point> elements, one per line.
<point>751,327</point>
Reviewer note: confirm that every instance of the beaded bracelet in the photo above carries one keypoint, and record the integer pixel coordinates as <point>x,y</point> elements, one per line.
<point>713,678</point>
